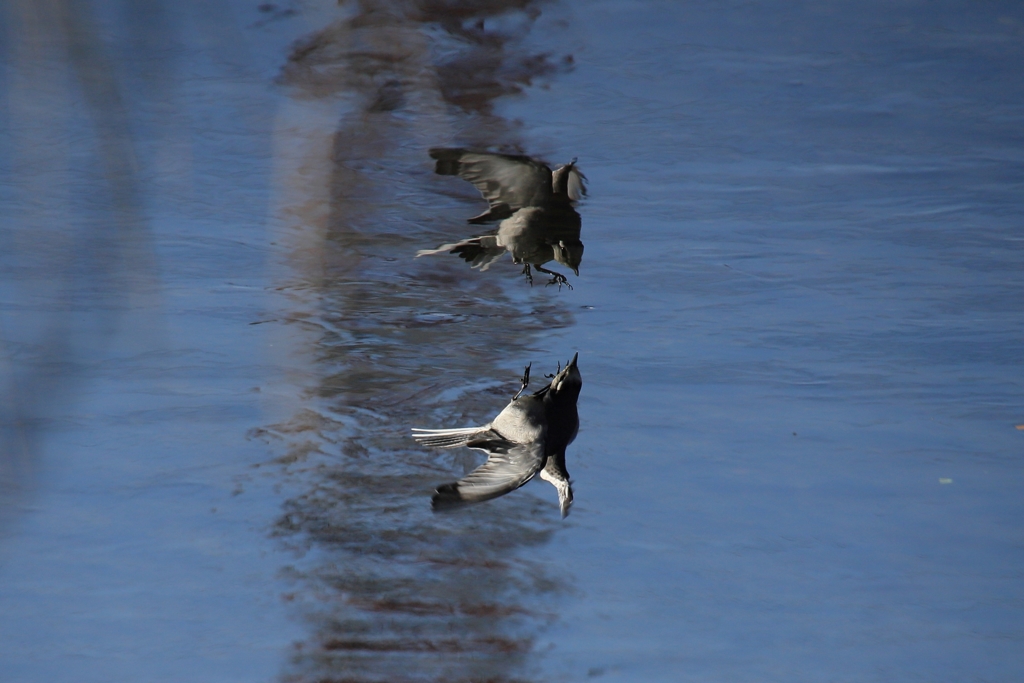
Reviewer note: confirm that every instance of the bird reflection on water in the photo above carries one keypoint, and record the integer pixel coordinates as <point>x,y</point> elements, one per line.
<point>535,207</point>
<point>527,438</point>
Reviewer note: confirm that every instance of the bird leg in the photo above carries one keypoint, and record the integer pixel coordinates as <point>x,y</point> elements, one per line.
<point>556,279</point>
<point>525,380</point>
<point>528,274</point>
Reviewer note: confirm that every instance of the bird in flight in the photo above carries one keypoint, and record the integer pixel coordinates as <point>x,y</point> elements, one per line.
<point>533,205</point>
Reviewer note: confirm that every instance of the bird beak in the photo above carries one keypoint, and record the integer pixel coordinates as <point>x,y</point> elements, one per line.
<point>572,363</point>
<point>576,271</point>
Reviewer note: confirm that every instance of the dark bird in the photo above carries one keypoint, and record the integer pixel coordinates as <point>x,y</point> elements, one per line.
<point>528,437</point>
<point>535,207</point>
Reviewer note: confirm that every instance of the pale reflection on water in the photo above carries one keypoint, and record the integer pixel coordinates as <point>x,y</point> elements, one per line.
<point>65,308</point>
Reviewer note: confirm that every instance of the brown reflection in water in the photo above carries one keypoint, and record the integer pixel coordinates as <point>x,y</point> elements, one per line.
<point>391,591</point>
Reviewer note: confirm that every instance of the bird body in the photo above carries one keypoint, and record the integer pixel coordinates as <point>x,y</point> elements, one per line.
<point>522,421</point>
<point>529,436</point>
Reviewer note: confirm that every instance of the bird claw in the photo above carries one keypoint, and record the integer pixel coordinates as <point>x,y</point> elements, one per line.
<point>559,280</point>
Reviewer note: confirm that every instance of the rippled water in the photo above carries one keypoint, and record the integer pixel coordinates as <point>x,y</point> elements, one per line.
<point>797,316</point>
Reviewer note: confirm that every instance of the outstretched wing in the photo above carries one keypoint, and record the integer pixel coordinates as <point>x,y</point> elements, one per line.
<point>509,465</point>
<point>507,182</point>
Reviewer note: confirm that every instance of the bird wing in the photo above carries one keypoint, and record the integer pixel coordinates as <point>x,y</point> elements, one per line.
<point>507,182</point>
<point>509,465</point>
<point>447,438</point>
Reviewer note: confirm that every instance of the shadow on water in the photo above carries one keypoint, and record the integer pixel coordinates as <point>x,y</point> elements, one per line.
<point>391,591</point>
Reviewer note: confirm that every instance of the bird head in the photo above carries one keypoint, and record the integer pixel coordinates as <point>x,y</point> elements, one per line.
<point>567,381</point>
<point>569,253</point>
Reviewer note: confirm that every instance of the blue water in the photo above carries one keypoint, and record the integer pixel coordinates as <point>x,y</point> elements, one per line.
<point>797,318</point>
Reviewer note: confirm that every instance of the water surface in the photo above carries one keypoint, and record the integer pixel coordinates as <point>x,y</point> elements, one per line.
<point>797,318</point>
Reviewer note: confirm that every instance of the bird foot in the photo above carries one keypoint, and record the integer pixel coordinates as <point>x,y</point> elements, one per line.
<point>528,274</point>
<point>525,380</point>
<point>559,279</point>
<point>552,376</point>
<point>556,277</point>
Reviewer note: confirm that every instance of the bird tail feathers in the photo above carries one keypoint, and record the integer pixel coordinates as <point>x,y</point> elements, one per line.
<point>445,438</point>
<point>440,250</point>
<point>479,252</point>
